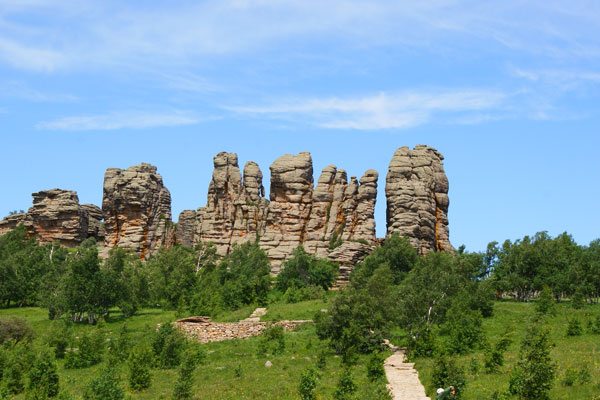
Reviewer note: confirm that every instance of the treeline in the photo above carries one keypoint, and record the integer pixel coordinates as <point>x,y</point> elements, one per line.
<point>77,283</point>
<point>526,266</point>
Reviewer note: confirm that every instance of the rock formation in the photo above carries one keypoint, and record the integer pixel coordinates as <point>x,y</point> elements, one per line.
<point>417,198</point>
<point>320,218</point>
<point>136,208</point>
<point>56,215</point>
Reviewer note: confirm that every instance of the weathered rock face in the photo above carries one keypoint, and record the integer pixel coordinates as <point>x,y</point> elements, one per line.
<point>417,198</point>
<point>237,211</point>
<point>56,215</point>
<point>136,208</point>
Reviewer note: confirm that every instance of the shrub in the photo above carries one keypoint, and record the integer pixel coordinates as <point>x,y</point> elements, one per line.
<point>304,269</point>
<point>545,302</point>
<point>534,372</point>
<point>272,340</point>
<point>426,345</point>
<point>375,368</point>
<point>120,346</point>
<point>447,373</point>
<point>43,377</point>
<point>463,326</point>
<point>17,360</point>
<point>494,356</point>
<point>574,327</point>
<point>570,377</point>
<point>139,363</point>
<point>185,380</point>
<point>58,337</point>
<point>345,387</point>
<point>105,386</point>
<point>578,299</point>
<point>90,348</point>
<point>16,329</point>
<point>168,345</point>
<point>308,383</point>
<point>595,328</point>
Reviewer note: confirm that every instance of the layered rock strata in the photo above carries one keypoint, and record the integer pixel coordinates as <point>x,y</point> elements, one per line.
<point>136,208</point>
<point>319,218</point>
<point>417,198</point>
<point>56,215</point>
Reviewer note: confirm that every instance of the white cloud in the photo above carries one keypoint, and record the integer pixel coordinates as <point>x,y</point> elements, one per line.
<point>20,90</point>
<point>122,33</point>
<point>557,75</point>
<point>382,111</point>
<point>119,120</point>
<point>27,57</point>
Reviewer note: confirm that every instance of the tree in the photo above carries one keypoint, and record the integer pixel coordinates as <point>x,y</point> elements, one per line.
<point>139,363</point>
<point>105,386</point>
<point>185,379</point>
<point>304,269</point>
<point>43,377</point>
<point>534,373</point>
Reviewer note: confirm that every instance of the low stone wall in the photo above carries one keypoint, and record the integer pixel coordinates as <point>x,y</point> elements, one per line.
<point>208,331</point>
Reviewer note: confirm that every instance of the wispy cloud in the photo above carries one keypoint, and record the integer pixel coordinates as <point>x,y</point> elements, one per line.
<point>117,33</point>
<point>557,75</point>
<point>119,120</point>
<point>20,90</point>
<point>381,111</point>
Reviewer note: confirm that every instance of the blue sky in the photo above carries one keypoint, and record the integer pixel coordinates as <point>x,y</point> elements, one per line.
<point>508,91</point>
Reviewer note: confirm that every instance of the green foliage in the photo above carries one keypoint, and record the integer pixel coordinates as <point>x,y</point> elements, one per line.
<point>139,364</point>
<point>43,377</point>
<point>168,345</point>
<point>346,387</point>
<point>396,253</point>
<point>105,386</point>
<point>375,369</point>
<point>577,301</point>
<point>58,337</point>
<point>304,269</point>
<point>545,303</point>
<point>446,372</point>
<point>15,329</point>
<point>574,327</point>
<point>595,325</point>
<point>464,326</point>
<point>185,379</point>
<point>17,359</point>
<point>308,382</point>
<point>295,295</point>
<point>272,340</point>
<point>494,356</point>
<point>86,351</point>
<point>533,375</point>
<point>359,318</point>
<point>426,345</point>
<point>120,346</point>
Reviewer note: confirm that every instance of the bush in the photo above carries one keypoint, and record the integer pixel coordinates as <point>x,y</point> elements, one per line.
<point>139,362</point>
<point>17,360</point>
<point>570,377</point>
<point>308,383</point>
<point>574,327</point>
<point>185,380</point>
<point>595,326</point>
<point>463,327</point>
<point>426,345</point>
<point>168,345</point>
<point>59,337</point>
<point>533,374</point>
<point>545,302</point>
<point>295,295</point>
<point>494,356</point>
<point>345,387</point>
<point>88,352</point>
<point>43,377</point>
<point>272,340</point>
<point>578,299</point>
<point>105,386</point>
<point>304,269</point>
<point>375,368</point>
<point>120,346</point>
<point>447,373</point>
<point>16,329</point>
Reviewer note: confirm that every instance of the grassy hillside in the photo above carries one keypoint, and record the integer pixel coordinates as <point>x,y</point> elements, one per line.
<point>570,353</point>
<point>233,369</point>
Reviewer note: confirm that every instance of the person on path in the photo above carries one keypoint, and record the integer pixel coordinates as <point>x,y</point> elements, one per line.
<point>443,394</point>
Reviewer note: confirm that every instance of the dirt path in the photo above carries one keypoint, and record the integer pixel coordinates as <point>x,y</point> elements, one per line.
<point>255,316</point>
<point>403,378</point>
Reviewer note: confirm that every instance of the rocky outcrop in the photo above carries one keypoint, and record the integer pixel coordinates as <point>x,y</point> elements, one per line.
<point>320,218</point>
<point>417,198</point>
<point>136,208</point>
<point>11,222</point>
<point>56,215</point>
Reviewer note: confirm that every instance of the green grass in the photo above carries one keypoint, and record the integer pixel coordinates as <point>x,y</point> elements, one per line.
<point>568,352</point>
<point>216,378</point>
